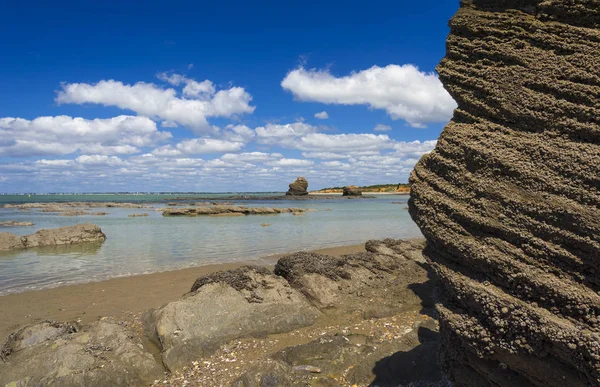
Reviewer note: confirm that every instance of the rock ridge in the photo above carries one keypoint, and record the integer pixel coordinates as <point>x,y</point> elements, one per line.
<point>509,200</point>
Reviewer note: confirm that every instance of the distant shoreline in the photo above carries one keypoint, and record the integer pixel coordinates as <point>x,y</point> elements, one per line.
<point>367,193</point>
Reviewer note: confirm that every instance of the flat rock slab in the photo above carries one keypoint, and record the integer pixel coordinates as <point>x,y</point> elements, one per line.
<point>50,353</point>
<point>14,223</point>
<point>227,305</point>
<point>81,233</point>
<point>230,211</point>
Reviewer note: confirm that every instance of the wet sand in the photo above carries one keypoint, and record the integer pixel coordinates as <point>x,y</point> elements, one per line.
<point>119,297</point>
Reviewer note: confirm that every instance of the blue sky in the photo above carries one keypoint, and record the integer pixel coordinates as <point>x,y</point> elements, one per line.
<point>219,96</point>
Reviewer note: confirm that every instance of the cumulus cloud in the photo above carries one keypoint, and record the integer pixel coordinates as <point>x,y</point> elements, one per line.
<point>382,128</point>
<point>290,163</point>
<point>63,135</point>
<point>404,92</point>
<point>283,134</point>
<point>198,146</point>
<point>322,115</point>
<point>191,107</point>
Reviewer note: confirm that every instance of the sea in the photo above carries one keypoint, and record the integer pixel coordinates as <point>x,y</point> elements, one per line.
<point>155,243</point>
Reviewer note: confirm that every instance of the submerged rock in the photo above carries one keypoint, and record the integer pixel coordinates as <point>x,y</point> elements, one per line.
<point>81,233</point>
<point>102,354</point>
<point>298,187</point>
<point>351,190</point>
<point>509,200</point>
<point>223,306</point>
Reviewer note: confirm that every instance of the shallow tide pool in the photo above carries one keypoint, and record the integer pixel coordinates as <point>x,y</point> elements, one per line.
<point>157,243</point>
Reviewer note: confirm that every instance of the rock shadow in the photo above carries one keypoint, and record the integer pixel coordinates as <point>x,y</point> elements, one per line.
<point>417,367</point>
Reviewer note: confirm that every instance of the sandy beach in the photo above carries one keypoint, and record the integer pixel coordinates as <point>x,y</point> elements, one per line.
<point>122,297</point>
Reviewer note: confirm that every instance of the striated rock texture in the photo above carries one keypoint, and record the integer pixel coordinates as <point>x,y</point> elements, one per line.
<point>509,200</point>
<point>69,235</point>
<point>298,188</point>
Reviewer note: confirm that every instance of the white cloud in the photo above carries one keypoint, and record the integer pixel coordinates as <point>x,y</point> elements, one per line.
<point>251,157</point>
<point>322,115</point>
<point>403,92</point>
<point>99,160</point>
<point>283,135</point>
<point>290,163</point>
<point>239,133</point>
<point>198,102</point>
<point>382,128</point>
<point>324,155</point>
<point>199,146</point>
<point>63,135</point>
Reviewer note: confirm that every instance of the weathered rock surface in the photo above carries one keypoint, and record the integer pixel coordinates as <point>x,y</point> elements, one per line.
<point>509,200</point>
<point>224,306</point>
<point>50,353</point>
<point>390,272</point>
<point>298,187</point>
<point>230,211</point>
<point>14,223</point>
<point>351,190</point>
<point>69,235</point>
<point>353,359</point>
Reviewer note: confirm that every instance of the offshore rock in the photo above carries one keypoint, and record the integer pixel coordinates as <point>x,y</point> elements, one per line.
<point>298,188</point>
<point>509,200</point>
<point>223,306</point>
<point>69,235</point>
<point>351,190</point>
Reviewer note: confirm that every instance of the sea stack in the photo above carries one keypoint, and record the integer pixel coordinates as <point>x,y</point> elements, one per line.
<point>509,200</point>
<point>351,190</point>
<point>298,188</point>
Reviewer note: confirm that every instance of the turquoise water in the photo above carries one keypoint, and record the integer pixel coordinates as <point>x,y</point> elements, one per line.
<point>157,243</point>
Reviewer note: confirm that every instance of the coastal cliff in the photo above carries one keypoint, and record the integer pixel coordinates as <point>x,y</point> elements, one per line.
<point>509,200</point>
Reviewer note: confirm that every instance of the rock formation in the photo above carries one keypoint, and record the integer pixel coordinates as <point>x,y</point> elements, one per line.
<point>230,211</point>
<point>298,188</point>
<point>69,235</point>
<point>351,190</point>
<point>509,200</point>
<point>223,306</point>
<point>54,354</point>
<point>359,319</point>
<point>14,223</point>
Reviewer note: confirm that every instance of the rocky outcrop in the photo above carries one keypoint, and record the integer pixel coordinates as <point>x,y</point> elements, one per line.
<point>351,190</point>
<point>509,200</point>
<point>138,215</point>
<point>388,267</point>
<point>54,354</point>
<point>219,210</point>
<point>224,306</point>
<point>14,223</point>
<point>298,188</point>
<point>81,233</point>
